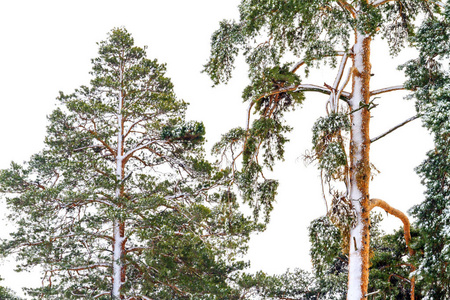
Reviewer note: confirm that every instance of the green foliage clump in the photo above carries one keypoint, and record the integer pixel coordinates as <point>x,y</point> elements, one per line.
<point>328,145</point>
<point>429,79</point>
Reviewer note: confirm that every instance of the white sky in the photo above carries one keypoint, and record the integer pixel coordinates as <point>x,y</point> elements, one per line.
<point>47,46</point>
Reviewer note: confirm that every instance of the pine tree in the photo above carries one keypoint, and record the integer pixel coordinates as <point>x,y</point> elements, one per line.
<point>272,33</point>
<point>121,204</point>
<point>6,293</point>
<point>430,80</point>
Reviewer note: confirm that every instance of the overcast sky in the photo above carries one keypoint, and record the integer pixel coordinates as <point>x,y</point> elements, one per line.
<point>47,46</point>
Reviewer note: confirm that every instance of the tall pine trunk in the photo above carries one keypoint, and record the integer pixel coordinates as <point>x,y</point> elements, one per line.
<point>118,276</point>
<point>360,169</point>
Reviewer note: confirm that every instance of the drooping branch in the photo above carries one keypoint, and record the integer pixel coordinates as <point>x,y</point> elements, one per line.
<point>397,213</point>
<point>394,128</point>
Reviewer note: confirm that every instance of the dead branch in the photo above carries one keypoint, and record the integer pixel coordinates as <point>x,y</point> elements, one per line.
<point>394,128</point>
<point>387,90</point>
<point>397,213</point>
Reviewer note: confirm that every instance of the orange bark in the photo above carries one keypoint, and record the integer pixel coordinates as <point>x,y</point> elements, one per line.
<point>397,213</point>
<point>359,153</point>
<point>407,232</point>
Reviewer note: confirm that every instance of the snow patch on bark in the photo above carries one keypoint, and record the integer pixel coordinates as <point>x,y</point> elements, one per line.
<point>117,265</point>
<point>118,238</point>
<point>355,259</point>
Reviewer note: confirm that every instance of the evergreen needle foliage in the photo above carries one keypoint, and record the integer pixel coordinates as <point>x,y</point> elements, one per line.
<point>270,35</point>
<point>121,203</point>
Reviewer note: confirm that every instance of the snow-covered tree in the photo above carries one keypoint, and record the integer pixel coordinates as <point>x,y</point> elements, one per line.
<point>271,34</point>
<point>121,204</point>
<point>430,80</point>
<point>7,293</point>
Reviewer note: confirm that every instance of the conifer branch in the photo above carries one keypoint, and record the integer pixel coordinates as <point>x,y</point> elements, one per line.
<point>302,62</point>
<point>82,268</point>
<point>102,142</point>
<point>381,2</point>
<point>315,88</point>
<point>347,6</point>
<point>133,125</point>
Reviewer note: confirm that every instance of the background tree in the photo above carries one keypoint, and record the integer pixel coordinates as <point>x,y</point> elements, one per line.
<point>272,33</point>
<point>121,204</point>
<point>430,81</point>
<point>6,293</point>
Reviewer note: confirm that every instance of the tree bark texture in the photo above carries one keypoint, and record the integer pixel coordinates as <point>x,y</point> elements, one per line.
<point>360,169</point>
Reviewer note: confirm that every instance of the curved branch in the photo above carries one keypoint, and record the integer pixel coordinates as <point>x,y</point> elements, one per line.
<point>344,4</point>
<point>397,213</point>
<point>315,88</point>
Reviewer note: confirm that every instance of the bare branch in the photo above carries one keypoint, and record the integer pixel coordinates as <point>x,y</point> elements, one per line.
<point>102,294</point>
<point>388,89</point>
<point>380,2</point>
<point>397,213</point>
<point>315,88</point>
<point>341,89</point>
<point>132,126</point>
<point>302,62</point>
<point>130,152</point>
<point>340,71</point>
<point>394,128</point>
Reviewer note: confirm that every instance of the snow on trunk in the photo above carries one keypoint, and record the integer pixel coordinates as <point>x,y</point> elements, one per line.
<point>118,225</point>
<point>360,170</point>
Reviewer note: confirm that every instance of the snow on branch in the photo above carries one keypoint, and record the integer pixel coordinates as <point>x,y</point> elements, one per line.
<point>130,152</point>
<point>386,90</point>
<point>394,128</point>
<point>380,2</point>
<point>316,88</point>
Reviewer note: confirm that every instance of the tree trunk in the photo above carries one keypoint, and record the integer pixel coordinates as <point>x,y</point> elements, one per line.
<point>118,259</point>
<point>118,276</point>
<point>360,169</point>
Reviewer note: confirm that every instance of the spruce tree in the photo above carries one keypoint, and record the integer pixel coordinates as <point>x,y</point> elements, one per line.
<point>273,33</point>
<point>121,204</point>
